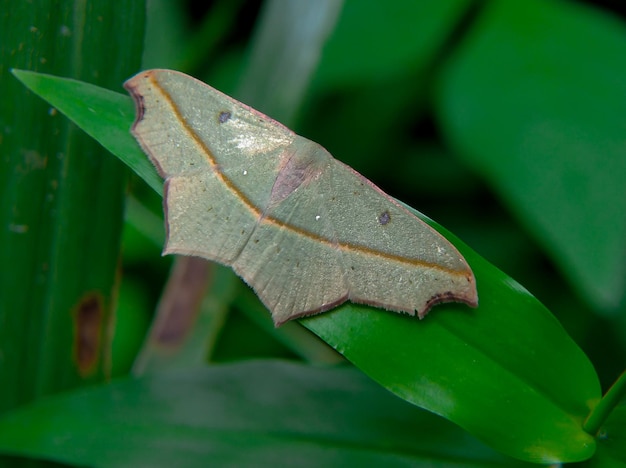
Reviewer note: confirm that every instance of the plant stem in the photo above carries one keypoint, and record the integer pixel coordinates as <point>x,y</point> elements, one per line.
<point>605,406</point>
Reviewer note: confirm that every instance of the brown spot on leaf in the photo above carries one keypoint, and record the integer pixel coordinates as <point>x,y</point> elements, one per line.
<point>88,316</point>
<point>180,303</point>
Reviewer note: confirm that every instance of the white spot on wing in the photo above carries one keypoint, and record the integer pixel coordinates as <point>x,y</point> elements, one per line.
<point>253,139</point>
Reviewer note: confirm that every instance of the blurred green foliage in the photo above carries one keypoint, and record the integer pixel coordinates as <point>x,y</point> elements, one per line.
<point>61,199</point>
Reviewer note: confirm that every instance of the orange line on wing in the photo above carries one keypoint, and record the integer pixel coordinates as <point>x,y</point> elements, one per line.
<point>277,222</point>
<point>204,149</point>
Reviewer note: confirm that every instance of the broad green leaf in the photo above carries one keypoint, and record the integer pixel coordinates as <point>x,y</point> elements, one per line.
<point>61,197</point>
<point>534,100</point>
<point>507,371</point>
<point>371,88</point>
<point>375,41</point>
<point>108,124</point>
<point>249,414</point>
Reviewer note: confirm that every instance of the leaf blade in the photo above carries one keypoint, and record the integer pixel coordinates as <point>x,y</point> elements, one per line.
<point>512,350</point>
<point>558,159</point>
<point>282,413</point>
<point>61,200</point>
<point>101,113</point>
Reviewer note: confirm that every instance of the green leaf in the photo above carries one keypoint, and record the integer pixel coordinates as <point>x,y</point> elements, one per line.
<point>507,371</point>
<point>534,101</point>
<point>61,197</point>
<point>376,41</point>
<point>249,414</point>
<point>104,115</point>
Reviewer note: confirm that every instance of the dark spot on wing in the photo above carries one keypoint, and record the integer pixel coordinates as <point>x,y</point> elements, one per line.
<point>224,117</point>
<point>384,218</point>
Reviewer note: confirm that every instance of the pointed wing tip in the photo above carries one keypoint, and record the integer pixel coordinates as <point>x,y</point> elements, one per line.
<point>136,87</point>
<point>135,80</point>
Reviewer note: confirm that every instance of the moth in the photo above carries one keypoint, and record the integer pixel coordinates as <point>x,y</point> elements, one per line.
<point>304,230</point>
